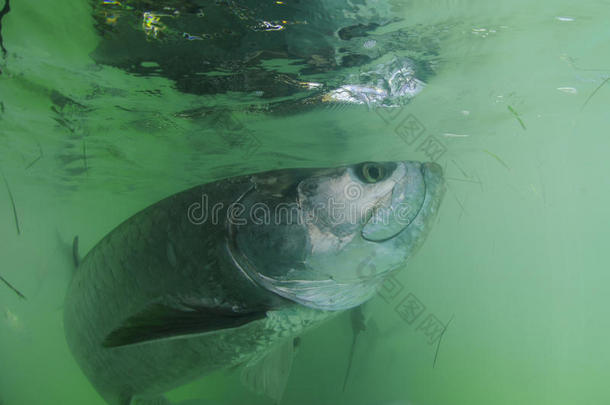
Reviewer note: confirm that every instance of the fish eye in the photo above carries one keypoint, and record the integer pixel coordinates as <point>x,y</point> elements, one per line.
<point>372,172</point>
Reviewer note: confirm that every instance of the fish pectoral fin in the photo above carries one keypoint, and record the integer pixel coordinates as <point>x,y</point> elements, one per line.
<point>269,375</point>
<point>174,318</point>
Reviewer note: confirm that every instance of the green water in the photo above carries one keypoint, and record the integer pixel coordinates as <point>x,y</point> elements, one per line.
<point>518,259</point>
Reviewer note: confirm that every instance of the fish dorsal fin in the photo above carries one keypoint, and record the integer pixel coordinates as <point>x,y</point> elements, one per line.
<point>178,317</point>
<point>269,374</point>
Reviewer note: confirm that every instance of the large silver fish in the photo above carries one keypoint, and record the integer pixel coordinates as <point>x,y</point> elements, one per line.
<point>229,272</point>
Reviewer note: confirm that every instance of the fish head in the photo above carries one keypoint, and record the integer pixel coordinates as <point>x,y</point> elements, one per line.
<point>343,230</point>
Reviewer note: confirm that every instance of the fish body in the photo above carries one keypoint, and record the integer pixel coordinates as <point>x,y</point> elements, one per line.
<point>189,285</point>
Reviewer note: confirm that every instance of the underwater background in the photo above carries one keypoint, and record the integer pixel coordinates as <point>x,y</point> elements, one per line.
<point>514,109</point>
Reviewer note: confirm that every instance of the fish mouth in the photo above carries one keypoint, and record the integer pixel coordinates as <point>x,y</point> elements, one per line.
<point>388,222</point>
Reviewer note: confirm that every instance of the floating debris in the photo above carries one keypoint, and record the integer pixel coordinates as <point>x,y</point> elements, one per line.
<point>569,90</point>
<point>268,26</point>
<point>10,196</point>
<point>463,180</point>
<point>493,155</point>
<point>483,32</point>
<point>9,285</point>
<point>572,62</point>
<point>358,326</point>
<point>40,155</point>
<point>369,44</point>
<point>151,23</point>
<point>450,135</point>
<point>190,37</point>
<point>459,168</point>
<point>594,92</point>
<point>440,338</point>
<point>512,110</point>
